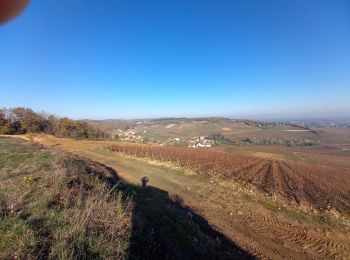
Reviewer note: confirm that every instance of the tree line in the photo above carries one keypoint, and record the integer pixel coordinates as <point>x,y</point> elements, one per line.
<point>20,120</point>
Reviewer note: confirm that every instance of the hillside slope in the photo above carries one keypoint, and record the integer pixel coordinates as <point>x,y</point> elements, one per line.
<point>57,205</point>
<point>262,226</point>
<point>312,185</point>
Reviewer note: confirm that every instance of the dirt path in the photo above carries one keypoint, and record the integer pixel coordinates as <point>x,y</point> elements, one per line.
<point>263,233</point>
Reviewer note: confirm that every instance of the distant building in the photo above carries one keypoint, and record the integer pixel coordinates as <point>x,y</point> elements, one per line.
<point>203,145</point>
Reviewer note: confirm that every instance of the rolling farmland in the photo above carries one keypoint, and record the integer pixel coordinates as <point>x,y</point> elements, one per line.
<point>240,202</point>
<point>317,186</point>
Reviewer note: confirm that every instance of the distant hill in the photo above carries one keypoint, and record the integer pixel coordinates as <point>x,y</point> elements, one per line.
<point>233,130</point>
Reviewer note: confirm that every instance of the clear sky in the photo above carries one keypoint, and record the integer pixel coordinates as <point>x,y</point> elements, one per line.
<point>133,59</point>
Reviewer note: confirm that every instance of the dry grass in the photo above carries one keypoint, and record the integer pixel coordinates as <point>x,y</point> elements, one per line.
<point>56,205</point>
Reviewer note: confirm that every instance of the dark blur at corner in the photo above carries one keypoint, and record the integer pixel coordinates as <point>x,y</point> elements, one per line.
<point>9,9</point>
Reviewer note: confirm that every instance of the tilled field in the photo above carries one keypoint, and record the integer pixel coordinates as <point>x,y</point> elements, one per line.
<point>320,187</point>
<point>286,240</point>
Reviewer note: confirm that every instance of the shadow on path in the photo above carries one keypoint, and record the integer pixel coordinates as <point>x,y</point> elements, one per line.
<point>165,229</point>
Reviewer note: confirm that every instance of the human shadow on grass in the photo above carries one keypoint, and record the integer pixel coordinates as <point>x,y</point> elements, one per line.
<point>165,229</point>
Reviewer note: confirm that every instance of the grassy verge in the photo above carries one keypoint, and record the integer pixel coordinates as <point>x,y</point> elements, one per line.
<point>50,204</point>
<point>57,205</point>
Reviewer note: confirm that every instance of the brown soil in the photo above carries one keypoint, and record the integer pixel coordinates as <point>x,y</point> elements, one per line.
<point>320,187</point>
<point>267,234</point>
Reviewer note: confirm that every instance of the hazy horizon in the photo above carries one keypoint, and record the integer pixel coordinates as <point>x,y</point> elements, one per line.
<point>275,59</point>
<point>238,117</point>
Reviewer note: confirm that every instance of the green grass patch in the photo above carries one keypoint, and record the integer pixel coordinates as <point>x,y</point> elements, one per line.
<point>17,240</point>
<point>299,157</point>
<point>49,200</point>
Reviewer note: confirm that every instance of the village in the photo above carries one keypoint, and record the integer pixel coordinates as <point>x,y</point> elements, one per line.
<point>131,135</point>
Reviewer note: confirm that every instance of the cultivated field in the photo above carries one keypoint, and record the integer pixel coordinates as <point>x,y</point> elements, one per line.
<point>232,129</point>
<point>313,185</point>
<point>266,224</point>
<point>336,137</point>
<point>236,130</point>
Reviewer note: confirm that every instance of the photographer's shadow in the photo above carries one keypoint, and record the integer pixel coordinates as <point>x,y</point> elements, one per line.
<point>163,228</point>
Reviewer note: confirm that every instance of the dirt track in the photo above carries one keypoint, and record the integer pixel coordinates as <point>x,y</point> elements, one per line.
<point>265,234</point>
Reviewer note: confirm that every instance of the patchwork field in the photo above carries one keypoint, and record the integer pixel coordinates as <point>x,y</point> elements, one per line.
<point>229,128</point>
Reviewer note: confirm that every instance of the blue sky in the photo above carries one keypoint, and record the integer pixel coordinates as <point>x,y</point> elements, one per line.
<point>135,59</point>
